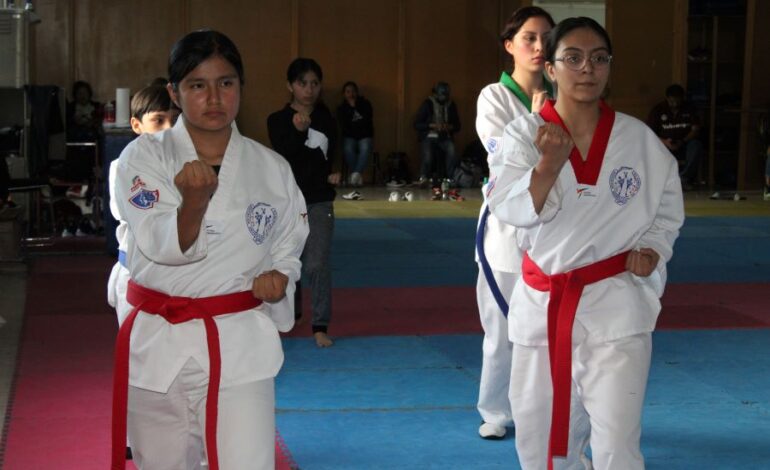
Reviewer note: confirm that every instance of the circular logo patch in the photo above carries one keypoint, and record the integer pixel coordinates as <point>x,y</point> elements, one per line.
<point>624,184</point>
<point>260,218</point>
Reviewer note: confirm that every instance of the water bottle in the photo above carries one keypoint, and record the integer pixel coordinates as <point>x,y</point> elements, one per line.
<point>445,189</point>
<point>109,114</point>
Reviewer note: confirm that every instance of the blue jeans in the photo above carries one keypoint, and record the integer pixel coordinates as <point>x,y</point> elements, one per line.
<point>357,153</point>
<point>692,152</point>
<point>429,146</point>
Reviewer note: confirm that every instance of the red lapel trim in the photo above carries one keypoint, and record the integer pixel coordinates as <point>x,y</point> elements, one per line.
<point>586,172</point>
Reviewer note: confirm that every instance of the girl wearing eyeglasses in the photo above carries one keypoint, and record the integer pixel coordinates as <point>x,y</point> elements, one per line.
<point>515,94</point>
<point>597,205</point>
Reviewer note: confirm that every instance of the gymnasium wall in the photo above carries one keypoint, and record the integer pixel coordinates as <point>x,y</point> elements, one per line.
<point>395,49</point>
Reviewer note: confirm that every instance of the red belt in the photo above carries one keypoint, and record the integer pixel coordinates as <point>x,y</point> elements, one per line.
<point>566,290</point>
<point>174,310</point>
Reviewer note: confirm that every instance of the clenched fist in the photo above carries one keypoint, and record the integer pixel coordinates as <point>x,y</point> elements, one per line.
<point>642,262</point>
<point>270,286</point>
<point>555,144</point>
<point>538,100</point>
<point>197,183</point>
<point>301,121</point>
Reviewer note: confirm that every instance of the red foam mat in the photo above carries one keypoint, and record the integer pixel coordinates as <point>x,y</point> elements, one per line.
<point>446,310</point>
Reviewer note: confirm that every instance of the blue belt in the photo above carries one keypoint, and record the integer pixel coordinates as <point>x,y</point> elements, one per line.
<point>122,258</point>
<point>485,268</point>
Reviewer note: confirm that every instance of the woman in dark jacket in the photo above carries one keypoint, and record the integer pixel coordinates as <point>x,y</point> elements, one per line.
<point>355,117</point>
<point>304,132</point>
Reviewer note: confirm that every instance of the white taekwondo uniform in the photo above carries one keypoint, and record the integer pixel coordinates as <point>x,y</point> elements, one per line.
<point>624,198</point>
<point>117,284</point>
<point>497,105</point>
<point>255,222</point>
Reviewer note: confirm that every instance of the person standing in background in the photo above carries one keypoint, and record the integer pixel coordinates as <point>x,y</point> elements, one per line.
<point>305,133</point>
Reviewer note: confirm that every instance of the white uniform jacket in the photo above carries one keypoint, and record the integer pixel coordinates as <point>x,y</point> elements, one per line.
<point>255,222</point>
<point>496,107</point>
<point>636,202</point>
<point>119,276</point>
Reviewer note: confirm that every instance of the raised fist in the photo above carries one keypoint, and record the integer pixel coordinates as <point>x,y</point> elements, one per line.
<point>539,98</point>
<point>301,121</point>
<point>197,183</point>
<point>555,144</point>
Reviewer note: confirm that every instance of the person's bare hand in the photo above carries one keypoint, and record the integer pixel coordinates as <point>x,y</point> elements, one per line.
<point>539,98</point>
<point>270,286</point>
<point>301,121</point>
<point>642,262</point>
<point>555,144</point>
<point>197,182</point>
<point>334,178</point>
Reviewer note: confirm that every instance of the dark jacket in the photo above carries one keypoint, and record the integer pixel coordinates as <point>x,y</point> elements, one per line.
<point>356,121</point>
<point>425,117</point>
<point>310,166</point>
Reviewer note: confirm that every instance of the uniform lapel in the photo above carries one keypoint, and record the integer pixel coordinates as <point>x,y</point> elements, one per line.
<point>586,171</point>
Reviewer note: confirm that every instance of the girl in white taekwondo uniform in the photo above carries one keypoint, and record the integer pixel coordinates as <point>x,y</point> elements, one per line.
<point>499,258</point>
<point>597,204</point>
<point>211,257</point>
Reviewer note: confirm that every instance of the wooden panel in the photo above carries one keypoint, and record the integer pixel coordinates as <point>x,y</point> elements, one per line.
<point>260,30</point>
<point>642,32</point>
<point>123,43</point>
<point>354,40</point>
<point>52,38</point>
<point>756,98</point>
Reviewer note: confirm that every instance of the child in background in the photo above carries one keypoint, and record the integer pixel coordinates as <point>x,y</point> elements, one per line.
<point>151,112</point>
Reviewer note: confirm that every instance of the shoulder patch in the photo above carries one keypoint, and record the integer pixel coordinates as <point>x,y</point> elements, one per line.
<point>144,198</point>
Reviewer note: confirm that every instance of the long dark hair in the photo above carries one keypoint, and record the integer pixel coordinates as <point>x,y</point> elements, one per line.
<point>195,48</point>
<point>568,25</point>
<point>300,66</point>
<point>519,17</point>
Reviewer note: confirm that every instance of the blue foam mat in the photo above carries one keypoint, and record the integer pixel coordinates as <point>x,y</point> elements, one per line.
<point>409,402</point>
<point>439,252</point>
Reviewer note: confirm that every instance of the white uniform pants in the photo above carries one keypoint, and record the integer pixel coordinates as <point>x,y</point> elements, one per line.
<point>609,380</point>
<point>493,404</point>
<point>167,429</point>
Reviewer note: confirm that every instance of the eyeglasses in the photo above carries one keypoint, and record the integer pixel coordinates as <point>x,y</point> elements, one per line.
<point>576,62</point>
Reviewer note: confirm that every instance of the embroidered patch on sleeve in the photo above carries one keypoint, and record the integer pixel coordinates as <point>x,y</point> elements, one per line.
<point>136,183</point>
<point>144,198</point>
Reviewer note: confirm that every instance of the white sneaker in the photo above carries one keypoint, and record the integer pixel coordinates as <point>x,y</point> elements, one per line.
<point>409,196</point>
<point>394,197</point>
<point>353,196</point>
<point>491,431</point>
<point>356,179</point>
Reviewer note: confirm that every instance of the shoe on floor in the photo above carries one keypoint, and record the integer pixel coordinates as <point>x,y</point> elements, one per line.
<point>353,196</point>
<point>491,431</point>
